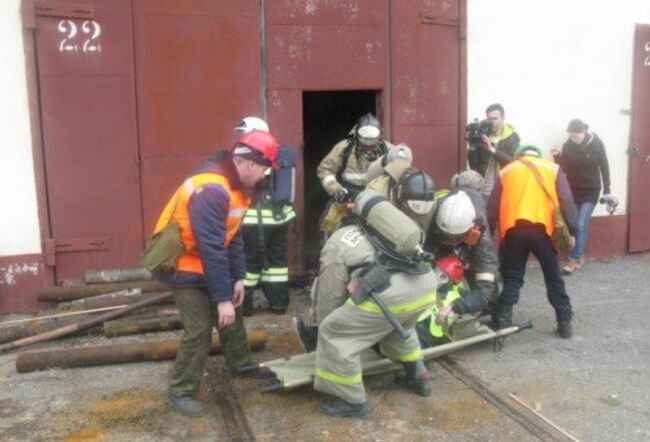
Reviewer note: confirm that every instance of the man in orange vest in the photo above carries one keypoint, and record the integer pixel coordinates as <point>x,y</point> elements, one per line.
<point>523,209</point>
<point>208,280</point>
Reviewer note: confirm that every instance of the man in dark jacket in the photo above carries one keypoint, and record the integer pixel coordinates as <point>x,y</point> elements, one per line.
<point>208,279</point>
<point>584,161</point>
<point>523,210</point>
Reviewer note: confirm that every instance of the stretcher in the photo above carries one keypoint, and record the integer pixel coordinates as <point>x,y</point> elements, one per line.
<point>299,370</point>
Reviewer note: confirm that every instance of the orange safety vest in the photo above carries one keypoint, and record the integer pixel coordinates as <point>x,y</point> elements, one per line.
<point>522,198</point>
<point>177,210</point>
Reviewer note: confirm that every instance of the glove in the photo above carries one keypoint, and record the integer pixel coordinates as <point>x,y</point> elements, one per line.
<point>341,195</point>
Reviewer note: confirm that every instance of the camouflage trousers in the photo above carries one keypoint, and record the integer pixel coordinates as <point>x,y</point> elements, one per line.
<point>199,315</point>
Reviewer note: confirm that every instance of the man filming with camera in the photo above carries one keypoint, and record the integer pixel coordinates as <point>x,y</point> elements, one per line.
<point>492,145</point>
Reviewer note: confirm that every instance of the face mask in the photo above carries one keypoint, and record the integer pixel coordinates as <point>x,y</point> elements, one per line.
<point>419,207</point>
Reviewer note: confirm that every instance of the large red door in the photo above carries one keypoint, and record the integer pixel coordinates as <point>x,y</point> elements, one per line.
<point>639,150</point>
<point>426,77</point>
<point>87,97</point>
<point>198,71</point>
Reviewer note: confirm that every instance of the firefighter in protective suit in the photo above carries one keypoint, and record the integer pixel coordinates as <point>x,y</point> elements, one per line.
<point>264,231</point>
<point>349,323</point>
<point>461,228</point>
<point>343,170</point>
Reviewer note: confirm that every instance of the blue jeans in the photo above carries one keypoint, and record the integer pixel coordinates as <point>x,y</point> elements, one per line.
<point>584,216</point>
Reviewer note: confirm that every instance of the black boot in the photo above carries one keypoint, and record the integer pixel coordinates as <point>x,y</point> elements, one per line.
<point>564,317</point>
<point>503,317</point>
<point>417,378</point>
<point>308,335</point>
<point>339,408</point>
<point>247,305</point>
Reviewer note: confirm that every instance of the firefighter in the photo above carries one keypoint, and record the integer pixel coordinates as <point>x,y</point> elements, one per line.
<point>454,314</point>
<point>343,171</point>
<point>207,279</point>
<point>352,324</point>
<point>461,228</point>
<point>265,231</point>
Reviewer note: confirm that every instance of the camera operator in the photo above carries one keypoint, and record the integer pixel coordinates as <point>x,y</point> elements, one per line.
<point>584,161</point>
<point>498,141</point>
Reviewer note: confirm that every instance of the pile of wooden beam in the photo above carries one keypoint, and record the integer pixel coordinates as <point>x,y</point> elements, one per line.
<point>112,302</point>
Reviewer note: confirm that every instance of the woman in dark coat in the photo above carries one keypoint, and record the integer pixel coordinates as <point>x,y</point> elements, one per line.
<point>584,161</point>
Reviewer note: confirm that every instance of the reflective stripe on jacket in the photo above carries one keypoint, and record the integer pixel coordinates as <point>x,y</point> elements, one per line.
<point>268,217</point>
<point>431,313</point>
<point>177,210</point>
<point>522,198</point>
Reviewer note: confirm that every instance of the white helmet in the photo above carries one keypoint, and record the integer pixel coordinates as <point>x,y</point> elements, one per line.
<point>252,123</point>
<point>456,214</point>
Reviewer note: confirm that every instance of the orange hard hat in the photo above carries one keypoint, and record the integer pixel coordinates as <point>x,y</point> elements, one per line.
<point>259,146</point>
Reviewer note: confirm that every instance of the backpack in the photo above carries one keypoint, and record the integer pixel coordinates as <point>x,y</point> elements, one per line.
<point>283,180</point>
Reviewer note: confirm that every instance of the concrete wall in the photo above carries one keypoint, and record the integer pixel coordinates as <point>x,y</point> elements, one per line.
<point>19,229</point>
<point>549,62</point>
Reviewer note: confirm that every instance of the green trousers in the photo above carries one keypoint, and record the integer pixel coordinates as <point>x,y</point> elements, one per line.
<point>199,315</point>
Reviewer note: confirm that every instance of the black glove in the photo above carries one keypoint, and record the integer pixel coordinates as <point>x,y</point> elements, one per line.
<point>341,195</point>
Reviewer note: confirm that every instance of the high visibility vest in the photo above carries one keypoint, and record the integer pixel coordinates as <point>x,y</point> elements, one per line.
<point>522,198</point>
<point>435,329</point>
<point>177,210</point>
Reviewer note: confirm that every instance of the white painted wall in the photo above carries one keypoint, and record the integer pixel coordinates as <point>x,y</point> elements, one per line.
<point>19,229</point>
<point>551,61</point>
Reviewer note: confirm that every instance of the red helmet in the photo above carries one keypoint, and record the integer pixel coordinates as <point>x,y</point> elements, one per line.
<point>259,146</point>
<point>452,266</point>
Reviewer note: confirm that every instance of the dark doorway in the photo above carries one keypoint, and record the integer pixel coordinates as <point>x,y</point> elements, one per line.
<point>327,118</point>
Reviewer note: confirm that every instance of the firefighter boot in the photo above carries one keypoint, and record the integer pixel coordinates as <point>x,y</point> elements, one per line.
<point>307,335</point>
<point>503,317</point>
<point>247,305</point>
<point>417,378</point>
<point>564,317</point>
<point>339,408</point>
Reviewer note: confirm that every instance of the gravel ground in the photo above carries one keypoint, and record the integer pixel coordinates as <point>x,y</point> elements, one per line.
<point>596,386</point>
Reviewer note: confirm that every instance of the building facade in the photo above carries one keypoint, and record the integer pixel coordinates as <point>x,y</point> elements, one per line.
<point>108,104</point>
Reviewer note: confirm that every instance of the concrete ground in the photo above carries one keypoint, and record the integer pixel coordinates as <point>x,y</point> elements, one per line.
<point>595,386</point>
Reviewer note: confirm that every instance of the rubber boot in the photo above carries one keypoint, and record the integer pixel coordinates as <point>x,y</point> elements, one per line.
<point>277,295</point>
<point>564,317</point>
<point>339,408</point>
<point>503,317</point>
<point>307,335</point>
<point>247,305</point>
<point>417,378</point>
<point>186,405</point>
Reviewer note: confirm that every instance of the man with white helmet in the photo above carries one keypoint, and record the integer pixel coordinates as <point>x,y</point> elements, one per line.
<point>264,230</point>
<point>343,170</point>
<point>461,228</point>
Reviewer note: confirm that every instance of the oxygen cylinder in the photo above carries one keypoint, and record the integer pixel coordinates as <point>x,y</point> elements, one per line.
<point>394,229</point>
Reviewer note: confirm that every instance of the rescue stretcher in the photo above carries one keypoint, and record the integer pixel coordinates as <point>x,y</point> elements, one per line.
<point>299,370</point>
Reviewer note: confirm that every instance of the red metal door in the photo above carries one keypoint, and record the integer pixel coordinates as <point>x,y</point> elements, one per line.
<point>87,97</point>
<point>426,90</point>
<point>198,73</point>
<point>639,150</point>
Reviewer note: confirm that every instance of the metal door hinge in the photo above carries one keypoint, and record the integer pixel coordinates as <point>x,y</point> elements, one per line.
<point>54,246</point>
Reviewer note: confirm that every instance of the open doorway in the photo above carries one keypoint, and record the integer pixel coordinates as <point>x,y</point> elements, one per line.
<point>327,118</point>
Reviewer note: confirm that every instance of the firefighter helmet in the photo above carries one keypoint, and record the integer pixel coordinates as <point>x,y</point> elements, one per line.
<point>251,123</point>
<point>259,146</point>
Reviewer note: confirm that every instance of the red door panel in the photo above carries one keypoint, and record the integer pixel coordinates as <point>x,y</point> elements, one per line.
<point>90,138</point>
<point>426,83</point>
<point>639,150</point>
<point>198,73</point>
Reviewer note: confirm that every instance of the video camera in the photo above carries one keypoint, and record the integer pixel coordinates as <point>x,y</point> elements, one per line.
<point>477,156</point>
<point>611,203</point>
<point>475,130</point>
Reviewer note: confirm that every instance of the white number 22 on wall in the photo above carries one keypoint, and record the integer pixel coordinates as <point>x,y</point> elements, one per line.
<point>646,62</point>
<point>91,31</point>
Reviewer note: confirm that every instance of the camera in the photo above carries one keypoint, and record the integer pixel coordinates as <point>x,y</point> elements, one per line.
<point>611,203</point>
<point>477,156</point>
<point>475,130</point>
